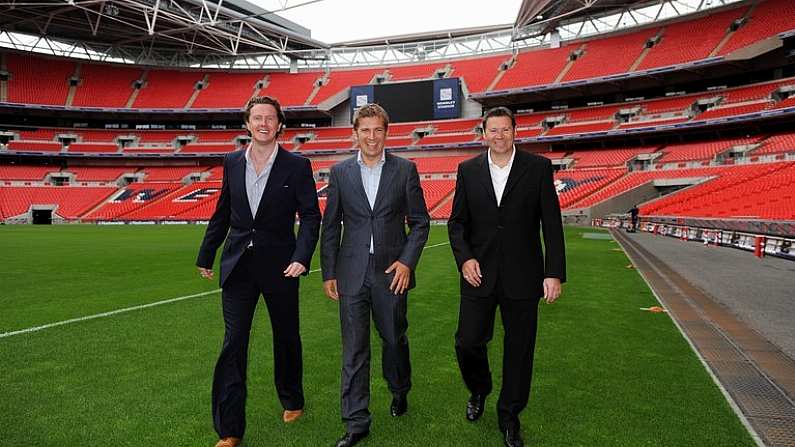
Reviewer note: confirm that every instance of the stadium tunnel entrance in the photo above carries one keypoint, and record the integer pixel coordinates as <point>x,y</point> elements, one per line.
<point>41,216</point>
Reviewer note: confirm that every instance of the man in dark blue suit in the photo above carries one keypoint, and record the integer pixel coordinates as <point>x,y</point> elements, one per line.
<point>264,186</point>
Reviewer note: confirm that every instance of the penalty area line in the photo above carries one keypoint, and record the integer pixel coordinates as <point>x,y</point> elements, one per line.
<point>134,308</point>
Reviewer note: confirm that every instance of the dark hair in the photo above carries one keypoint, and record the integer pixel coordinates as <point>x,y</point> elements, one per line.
<point>265,100</point>
<point>370,111</point>
<point>498,111</point>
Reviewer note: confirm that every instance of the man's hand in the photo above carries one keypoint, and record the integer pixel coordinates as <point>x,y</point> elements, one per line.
<point>471,272</point>
<point>551,289</point>
<point>294,270</point>
<point>206,273</point>
<point>402,276</point>
<point>330,287</point>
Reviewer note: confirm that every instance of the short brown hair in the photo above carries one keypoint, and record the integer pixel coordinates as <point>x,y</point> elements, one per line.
<point>264,100</point>
<point>370,111</point>
<point>498,111</point>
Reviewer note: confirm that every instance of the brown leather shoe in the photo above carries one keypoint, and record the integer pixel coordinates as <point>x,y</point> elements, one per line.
<point>228,442</point>
<point>292,415</point>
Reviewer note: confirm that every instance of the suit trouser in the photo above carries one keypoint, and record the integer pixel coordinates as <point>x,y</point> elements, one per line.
<point>475,330</point>
<point>239,299</point>
<point>389,314</point>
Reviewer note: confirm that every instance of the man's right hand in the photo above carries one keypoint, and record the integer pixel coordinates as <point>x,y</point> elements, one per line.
<point>471,272</point>
<point>206,273</point>
<point>330,287</point>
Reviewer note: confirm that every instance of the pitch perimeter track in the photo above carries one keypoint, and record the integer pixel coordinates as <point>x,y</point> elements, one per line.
<point>757,378</point>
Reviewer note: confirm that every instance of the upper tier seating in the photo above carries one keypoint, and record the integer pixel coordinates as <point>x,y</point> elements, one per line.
<point>690,40</point>
<point>768,18</point>
<point>412,72</point>
<point>227,91</point>
<point>339,80</point>
<point>30,84</point>
<point>535,67</point>
<point>609,55</point>
<point>105,85</point>
<point>291,89</point>
<point>477,73</point>
<point>167,89</point>
<point>684,41</point>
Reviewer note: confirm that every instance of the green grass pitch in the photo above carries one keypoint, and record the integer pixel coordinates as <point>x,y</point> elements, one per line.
<point>606,373</point>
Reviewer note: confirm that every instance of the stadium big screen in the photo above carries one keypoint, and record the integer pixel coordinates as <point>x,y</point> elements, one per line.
<point>412,101</point>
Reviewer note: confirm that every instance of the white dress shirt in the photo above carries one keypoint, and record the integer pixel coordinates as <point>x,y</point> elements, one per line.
<point>371,177</point>
<point>499,176</point>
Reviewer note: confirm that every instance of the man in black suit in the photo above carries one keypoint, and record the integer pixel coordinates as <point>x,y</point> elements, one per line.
<point>502,199</point>
<point>264,186</point>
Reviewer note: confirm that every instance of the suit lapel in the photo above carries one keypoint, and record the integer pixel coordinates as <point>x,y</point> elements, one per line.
<point>355,177</point>
<point>518,170</point>
<point>484,174</point>
<point>279,173</point>
<point>387,173</point>
<point>240,172</point>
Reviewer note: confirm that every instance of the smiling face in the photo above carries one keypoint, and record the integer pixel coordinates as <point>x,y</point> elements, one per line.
<point>499,134</point>
<point>370,136</point>
<point>263,123</point>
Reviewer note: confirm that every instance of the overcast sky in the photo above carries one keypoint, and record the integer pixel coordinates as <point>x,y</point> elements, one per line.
<point>333,21</point>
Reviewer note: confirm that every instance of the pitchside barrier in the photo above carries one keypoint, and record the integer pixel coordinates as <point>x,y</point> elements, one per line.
<point>760,244</point>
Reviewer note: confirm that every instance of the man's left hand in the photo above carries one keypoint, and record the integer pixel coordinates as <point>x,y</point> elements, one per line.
<point>551,289</point>
<point>401,280</point>
<point>294,270</point>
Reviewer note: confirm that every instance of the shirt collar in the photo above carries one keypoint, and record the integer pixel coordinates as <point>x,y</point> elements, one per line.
<point>270,159</point>
<point>361,162</point>
<point>510,161</point>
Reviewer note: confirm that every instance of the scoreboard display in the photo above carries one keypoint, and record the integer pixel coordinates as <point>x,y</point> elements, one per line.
<point>412,101</point>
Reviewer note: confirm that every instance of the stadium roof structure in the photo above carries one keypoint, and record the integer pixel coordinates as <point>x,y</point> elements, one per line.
<point>236,34</point>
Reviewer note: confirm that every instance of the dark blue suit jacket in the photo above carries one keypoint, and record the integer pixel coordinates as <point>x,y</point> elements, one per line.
<point>290,190</point>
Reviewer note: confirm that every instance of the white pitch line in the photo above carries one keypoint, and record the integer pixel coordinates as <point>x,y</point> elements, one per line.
<point>106,314</point>
<point>134,308</point>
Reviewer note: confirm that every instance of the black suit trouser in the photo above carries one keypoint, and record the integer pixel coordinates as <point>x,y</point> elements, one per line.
<point>475,330</point>
<point>239,298</point>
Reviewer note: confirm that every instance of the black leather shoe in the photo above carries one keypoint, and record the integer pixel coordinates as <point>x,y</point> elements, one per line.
<point>475,406</point>
<point>351,439</point>
<point>399,406</point>
<point>513,437</point>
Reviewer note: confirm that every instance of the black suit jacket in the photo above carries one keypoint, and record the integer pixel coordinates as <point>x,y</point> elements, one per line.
<point>290,190</point>
<point>505,240</point>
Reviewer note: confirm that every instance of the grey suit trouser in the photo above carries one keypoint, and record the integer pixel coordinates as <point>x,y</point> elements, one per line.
<point>389,314</point>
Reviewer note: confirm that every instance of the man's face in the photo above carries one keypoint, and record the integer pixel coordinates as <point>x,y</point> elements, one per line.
<point>499,134</point>
<point>370,136</point>
<point>263,123</point>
